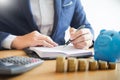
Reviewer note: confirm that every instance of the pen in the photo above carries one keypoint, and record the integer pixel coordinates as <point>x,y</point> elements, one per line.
<point>69,41</point>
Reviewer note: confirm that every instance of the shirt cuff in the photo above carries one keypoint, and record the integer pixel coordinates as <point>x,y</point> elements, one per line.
<point>6,43</point>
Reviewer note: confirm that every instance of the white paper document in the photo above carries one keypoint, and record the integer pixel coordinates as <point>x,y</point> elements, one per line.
<point>68,51</point>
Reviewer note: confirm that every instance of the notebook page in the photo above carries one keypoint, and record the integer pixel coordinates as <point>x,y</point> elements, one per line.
<point>70,50</point>
<point>60,49</point>
<point>47,52</point>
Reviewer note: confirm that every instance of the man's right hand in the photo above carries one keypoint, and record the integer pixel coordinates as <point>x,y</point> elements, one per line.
<point>32,39</point>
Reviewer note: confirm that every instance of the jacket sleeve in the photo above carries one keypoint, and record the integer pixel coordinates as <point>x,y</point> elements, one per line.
<point>3,35</point>
<point>79,17</point>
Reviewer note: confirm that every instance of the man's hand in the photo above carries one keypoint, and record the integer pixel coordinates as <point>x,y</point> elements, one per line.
<point>82,38</point>
<point>32,39</point>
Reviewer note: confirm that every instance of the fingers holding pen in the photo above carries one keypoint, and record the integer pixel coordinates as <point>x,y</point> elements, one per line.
<point>77,33</point>
<point>81,38</point>
<point>83,45</point>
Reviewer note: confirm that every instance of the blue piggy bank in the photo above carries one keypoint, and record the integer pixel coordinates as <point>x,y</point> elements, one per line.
<point>107,46</point>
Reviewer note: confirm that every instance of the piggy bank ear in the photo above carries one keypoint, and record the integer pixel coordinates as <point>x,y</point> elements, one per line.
<point>102,31</point>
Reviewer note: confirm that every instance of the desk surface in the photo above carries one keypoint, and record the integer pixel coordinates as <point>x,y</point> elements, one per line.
<point>46,71</point>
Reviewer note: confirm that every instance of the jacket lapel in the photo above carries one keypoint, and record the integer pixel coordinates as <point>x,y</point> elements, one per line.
<point>57,13</point>
<point>28,14</point>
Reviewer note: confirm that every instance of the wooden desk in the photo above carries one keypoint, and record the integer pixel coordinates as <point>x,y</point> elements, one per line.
<point>46,71</point>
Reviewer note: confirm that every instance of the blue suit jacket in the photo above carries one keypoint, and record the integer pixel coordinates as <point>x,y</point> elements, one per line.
<point>18,19</point>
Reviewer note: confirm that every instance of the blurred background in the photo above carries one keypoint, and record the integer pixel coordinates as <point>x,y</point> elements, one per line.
<point>103,14</point>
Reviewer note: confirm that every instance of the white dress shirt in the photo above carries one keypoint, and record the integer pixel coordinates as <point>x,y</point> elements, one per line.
<point>43,13</point>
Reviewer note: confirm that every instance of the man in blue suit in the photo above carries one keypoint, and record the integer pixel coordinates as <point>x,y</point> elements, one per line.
<point>25,23</point>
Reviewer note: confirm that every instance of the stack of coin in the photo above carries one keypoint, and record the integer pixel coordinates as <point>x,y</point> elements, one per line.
<point>82,64</point>
<point>103,65</point>
<point>111,65</point>
<point>72,65</point>
<point>60,64</point>
<point>93,65</point>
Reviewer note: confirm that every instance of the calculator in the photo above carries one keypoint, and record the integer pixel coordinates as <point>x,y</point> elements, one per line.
<point>18,64</point>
